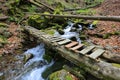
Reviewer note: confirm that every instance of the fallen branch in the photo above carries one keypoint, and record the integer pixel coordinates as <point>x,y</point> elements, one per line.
<point>37,3</point>
<point>3,18</point>
<point>104,18</point>
<point>52,9</point>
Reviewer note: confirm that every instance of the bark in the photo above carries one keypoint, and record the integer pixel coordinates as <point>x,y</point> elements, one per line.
<point>104,18</point>
<point>112,57</point>
<point>100,69</point>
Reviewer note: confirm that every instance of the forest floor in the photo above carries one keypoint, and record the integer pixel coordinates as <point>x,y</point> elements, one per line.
<point>109,8</point>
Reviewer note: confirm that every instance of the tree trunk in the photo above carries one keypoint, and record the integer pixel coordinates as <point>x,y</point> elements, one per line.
<point>104,18</point>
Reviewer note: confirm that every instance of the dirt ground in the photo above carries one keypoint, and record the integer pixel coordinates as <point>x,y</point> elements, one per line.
<point>107,8</point>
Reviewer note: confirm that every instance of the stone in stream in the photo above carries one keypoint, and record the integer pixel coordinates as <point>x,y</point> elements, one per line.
<point>1,76</point>
<point>62,75</point>
<point>28,57</point>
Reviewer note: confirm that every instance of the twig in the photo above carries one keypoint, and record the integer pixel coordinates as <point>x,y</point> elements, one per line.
<point>3,18</point>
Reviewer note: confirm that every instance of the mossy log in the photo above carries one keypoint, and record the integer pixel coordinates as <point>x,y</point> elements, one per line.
<point>100,69</point>
<point>104,18</point>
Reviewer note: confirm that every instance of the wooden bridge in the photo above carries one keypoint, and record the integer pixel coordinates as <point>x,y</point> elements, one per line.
<point>87,57</point>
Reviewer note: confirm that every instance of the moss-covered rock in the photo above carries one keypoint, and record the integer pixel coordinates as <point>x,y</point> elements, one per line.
<point>28,57</point>
<point>38,21</point>
<point>58,64</point>
<point>61,75</point>
<point>47,57</point>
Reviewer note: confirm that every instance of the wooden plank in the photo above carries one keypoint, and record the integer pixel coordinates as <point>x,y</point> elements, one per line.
<point>64,41</point>
<point>96,53</point>
<point>57,39</point>
<point>77,47</point>
<point>73,43</point>
<point>87,49</point>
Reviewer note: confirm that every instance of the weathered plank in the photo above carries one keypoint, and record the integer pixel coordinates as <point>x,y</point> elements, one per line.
<point>57,39</point>
<point>73,43</point>
<point>87,49</point>
<point>64,41</point>
<point>77,47</point>
<point>96,53</point>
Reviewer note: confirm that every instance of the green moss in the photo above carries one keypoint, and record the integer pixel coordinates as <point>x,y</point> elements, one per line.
<point>95,22</point>
<point>105,36</point>
<point>37,21</point>
<point>3,25</point>
<point>48,31</point>
<point>48,58</point>
<point>86,11</point>
<point>68,77</point>
<point>61,75</point>
<point>116,65</point>
<point>3,40</point>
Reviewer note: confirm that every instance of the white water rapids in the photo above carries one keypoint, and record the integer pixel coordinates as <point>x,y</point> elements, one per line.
<point>36,73</point>
<point>69,34</point>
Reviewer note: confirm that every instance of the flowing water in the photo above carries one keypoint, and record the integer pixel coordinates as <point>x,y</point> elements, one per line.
<point>35,73</point>
<point>69,34</point>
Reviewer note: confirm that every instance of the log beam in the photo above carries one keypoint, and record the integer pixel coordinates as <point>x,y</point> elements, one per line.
<point>104,18</point>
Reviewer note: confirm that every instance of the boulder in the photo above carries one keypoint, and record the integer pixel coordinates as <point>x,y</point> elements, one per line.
<point>62,75</point>
<point>27,57</point>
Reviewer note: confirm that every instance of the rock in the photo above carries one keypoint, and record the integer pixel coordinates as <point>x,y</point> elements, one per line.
<point>73,38</point>
<point>28,57</point>
<point>42,63</point>
<point>61,31</point>
<point>47,57</point>
<point>62,75</point>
